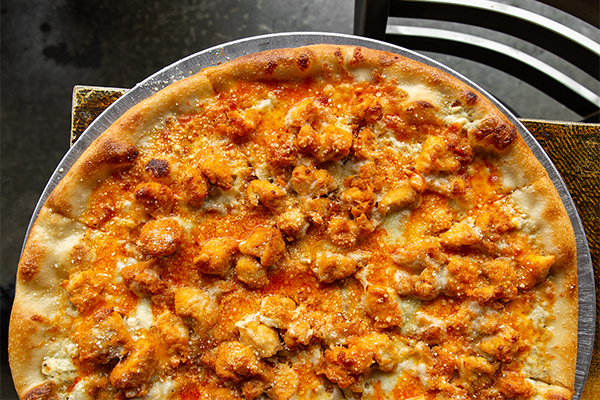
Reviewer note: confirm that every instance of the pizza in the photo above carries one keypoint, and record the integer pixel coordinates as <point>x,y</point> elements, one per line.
<point>321,222</point>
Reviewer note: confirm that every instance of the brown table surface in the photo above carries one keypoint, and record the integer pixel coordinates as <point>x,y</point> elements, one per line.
<point>574,148</point>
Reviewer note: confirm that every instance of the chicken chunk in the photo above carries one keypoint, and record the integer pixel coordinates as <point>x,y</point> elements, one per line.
<point>299,331</point>
<point>143,278</point>
<point>535,268</point>
<point>501,273</point>
<point>346,233</point>
<point>416,254</point>
<point>266,243</point>
<point>470,368</point>
<point>302,114</point>
<point>430,328</point>
<point>463,275</point>
<point>494,222</point>
<point>251,272</point>
<point>330,144</point>
<point>156,198</point>
<point>344,364</point>
<point>85,288</point>
<point>504,345</point>
<point>194,186</point>
<point>365,146</point>
<point>366,109</point>
<point>292,220</point>
<point>276,311</point>
<point>369,178</point>
<point>216,255</point>
<point>133,372</point>
<point>384,352</point>
<point>513,385</point>
<point>213,164</point>
<point>242,123</point>
<point>417,182</point>
<point>175,333</point>
<point>316,209</point>
<point>102,337</point>
<point>353,360</point>
<point>358,201</point>
<point>263,339</point>
<point>198,308</point>
<point>285,384</point>
<point>331,267</point>
<point>460,234</point>
<point>282,150</point>
<point>265,193</point>
<point>381,305</point>
<point>401,197</point>
<point>236,361</point>
<point>309,181</point>
<point>435,156</point>
<point>161,237</point>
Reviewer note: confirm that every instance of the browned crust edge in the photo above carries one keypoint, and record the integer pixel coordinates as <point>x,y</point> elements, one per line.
<point>555,235</point>
<point>39,298</point>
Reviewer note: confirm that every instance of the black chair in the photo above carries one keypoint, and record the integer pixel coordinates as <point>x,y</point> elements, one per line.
<point>371,20</point>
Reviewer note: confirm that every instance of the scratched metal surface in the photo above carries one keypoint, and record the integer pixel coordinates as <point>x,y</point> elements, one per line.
<point>223,53</point>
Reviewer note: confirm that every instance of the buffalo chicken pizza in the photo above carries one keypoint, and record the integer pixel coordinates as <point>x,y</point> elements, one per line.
<point>323,222</point>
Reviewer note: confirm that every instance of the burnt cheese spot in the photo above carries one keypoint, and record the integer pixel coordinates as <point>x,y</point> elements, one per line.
<point>158,168</point>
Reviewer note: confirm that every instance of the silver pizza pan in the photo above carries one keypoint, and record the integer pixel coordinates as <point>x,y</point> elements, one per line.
<point>223,53</point>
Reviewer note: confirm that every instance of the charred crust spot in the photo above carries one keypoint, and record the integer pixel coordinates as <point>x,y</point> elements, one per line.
<point>503,136</point>
<point>45,391</point>
<point>118,153</point>
<point>357,56</point>
<point>270,68</point>
<point>497,133</point>
<point>37,318</point>
<point>385,60</point>
<point>469,98</point>
<point>339,55</point>
<point>303,62</point>
<point>30,265</point>
<point>158,168</point>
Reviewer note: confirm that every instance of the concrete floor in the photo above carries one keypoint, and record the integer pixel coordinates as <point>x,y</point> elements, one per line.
<point>50,46</point>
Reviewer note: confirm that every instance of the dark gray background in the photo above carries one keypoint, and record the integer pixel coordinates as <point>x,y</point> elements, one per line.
<point>50,46</point>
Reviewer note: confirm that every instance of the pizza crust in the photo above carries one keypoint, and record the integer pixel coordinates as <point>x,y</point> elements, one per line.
<point>554,233</point>
<point>36,316</point>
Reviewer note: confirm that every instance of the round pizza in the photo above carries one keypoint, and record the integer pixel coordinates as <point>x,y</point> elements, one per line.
<point>321,222</point>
